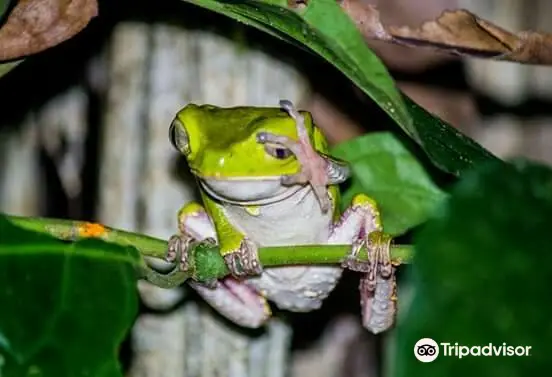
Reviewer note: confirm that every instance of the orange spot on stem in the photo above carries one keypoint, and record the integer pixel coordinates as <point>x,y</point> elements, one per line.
<point>92,230</point>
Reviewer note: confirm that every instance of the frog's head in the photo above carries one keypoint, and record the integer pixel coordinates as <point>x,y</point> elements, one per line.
<point>222,150</point>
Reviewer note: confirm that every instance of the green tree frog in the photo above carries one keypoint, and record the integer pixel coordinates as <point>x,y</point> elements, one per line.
<point>266,180</point>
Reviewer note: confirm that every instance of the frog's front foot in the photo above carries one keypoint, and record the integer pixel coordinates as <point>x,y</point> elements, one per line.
<point>378,282</point>
<point>377,245</point>
<point>177,251</point>
<point>244,261</point>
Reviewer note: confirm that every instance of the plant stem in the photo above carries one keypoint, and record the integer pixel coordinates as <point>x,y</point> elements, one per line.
<point>208,262</point>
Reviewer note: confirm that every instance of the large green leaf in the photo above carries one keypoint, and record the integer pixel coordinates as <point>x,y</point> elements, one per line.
<point>325,29</point>
<point>65,307</point>
<point>448,148</point>
<point>384,169</point>
<point>482,275</point>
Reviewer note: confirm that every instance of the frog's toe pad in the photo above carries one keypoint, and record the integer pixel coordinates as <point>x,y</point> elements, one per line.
<point>352,261</point>
<point>177,251</point>
<point>353,264</point>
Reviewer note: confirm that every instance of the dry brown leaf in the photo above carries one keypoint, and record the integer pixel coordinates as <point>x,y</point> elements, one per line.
<point>35,25</point>
<point>411,13</point>
<point>457,32</point>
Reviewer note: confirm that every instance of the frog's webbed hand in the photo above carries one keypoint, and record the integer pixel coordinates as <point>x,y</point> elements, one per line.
<point>179,244</point>
<point>245,260</point>
<point>378,283</point>
<point>316,169</point>
<point>177,251</point>
<point>232,298</point>
<point>361,222</point>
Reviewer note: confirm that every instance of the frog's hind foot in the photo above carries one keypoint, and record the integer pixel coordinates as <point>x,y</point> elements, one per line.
<point>244,261</point>
<point>378,300</point>
<point>236,301</point>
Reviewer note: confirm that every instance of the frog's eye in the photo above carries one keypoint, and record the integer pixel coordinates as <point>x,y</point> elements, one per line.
<point>179,137</point>
<point>280,153</point>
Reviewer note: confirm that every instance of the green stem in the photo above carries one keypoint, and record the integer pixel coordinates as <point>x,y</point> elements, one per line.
<point>208,264</point>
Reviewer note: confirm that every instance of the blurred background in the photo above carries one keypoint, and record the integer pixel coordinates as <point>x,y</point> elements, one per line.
<point>83,135</point>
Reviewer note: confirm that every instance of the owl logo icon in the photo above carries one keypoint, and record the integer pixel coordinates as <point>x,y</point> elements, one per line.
<point>426,350</point>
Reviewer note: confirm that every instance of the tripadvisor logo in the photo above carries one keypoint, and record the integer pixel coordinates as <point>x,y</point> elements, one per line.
<point>426,350</point>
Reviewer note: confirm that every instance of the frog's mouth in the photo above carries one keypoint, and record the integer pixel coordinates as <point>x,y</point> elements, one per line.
<point>250,192</point>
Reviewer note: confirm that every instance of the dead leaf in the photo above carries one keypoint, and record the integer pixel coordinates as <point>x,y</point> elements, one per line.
<point>35,25</point>
<point>367,19</point>
<point>457,32</point>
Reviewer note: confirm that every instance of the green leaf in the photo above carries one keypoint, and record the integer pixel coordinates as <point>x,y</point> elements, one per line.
<point>448,148</point>
<point>384,169</point>
<point>66,307</point>
<point>482,275</point>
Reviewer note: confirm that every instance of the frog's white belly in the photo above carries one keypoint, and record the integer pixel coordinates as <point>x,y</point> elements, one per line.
<point>297,220</point>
